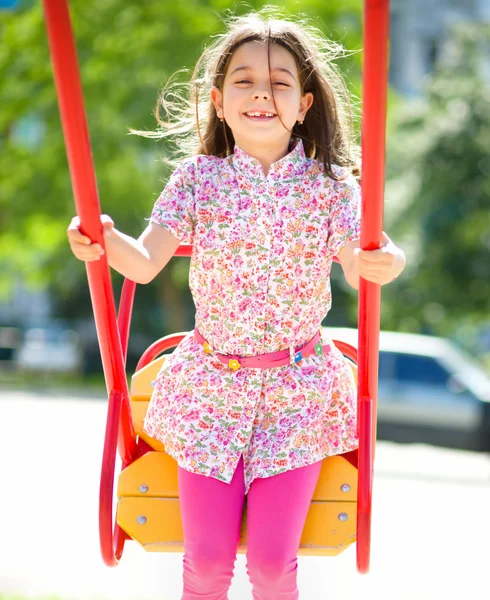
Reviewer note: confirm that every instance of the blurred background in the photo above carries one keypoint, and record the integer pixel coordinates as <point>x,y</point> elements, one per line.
<point>437,176</point>
<point>435,344</point>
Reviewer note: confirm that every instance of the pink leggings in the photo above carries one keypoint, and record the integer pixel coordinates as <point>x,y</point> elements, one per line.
<point>211,517</point>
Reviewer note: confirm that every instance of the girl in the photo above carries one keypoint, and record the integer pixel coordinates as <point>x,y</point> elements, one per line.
<point>255,397</point>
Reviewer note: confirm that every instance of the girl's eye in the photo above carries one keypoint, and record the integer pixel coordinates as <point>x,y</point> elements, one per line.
<point>276,82</point>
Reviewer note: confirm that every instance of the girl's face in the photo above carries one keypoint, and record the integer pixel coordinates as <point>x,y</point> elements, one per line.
<point>247,89</point>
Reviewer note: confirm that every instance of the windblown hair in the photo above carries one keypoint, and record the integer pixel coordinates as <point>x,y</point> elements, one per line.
<point>327,131</point>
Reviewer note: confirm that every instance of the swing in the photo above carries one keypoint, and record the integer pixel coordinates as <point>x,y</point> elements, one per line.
<point>148,500</point>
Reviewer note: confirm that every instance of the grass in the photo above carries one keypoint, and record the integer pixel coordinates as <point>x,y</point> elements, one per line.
<point>49,381</point>
<point>16,597</point>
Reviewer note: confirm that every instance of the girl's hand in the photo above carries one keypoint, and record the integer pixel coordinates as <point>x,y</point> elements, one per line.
<point>81,245</point>
<point>380,266</point>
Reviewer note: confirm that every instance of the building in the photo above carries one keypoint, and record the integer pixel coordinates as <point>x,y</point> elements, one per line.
<point>419,31</point>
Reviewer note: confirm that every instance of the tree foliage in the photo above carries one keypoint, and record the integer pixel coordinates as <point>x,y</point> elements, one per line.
<point>439,193</point>
<point>127,51</point>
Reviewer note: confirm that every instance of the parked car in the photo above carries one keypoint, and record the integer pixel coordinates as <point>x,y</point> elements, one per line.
<point>49,349</point>
<point>430,391</point>
<point>9,341</point>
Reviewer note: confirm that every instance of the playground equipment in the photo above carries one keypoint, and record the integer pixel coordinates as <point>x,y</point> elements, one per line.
<point>148,504</point>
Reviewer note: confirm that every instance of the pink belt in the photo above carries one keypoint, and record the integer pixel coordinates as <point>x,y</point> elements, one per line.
<point>265,361</point>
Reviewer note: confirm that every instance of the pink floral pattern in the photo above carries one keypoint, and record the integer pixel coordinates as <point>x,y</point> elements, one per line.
<point>260,279</point>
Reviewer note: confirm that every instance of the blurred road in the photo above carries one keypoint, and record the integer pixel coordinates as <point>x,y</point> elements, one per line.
<point>431,520</point>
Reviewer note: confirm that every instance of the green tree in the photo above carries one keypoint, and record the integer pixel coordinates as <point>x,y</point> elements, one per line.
<point>127,50</point>
<point>439,194</point>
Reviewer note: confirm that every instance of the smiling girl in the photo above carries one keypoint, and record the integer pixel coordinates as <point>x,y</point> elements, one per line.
<point>256,396</point>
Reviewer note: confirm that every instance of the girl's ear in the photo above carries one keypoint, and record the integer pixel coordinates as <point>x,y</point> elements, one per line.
<point>217,100</point>
<point>306,102</point>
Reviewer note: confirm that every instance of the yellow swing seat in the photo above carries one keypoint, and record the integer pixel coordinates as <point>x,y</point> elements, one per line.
<point>148,508</point>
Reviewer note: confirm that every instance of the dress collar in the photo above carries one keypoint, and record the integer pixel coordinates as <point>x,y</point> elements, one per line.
<point>292,164</point>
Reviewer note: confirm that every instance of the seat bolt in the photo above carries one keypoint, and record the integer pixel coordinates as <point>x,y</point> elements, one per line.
<point>345,487</point>
<point>343,516</point>
<point>143,488</point>
<point>141,520</point>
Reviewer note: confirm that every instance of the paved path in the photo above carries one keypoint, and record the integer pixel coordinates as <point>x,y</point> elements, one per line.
<point>431,519</point>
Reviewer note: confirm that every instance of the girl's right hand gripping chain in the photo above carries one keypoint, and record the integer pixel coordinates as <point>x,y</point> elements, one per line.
<point>81,245</point>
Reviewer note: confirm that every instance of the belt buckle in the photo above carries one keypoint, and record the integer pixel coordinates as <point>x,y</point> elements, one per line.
<point>232,363</point>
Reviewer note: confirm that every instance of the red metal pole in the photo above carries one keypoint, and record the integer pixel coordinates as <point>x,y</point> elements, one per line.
<point>124,314</point>
<point>119,427</point>
<point>374,88</point>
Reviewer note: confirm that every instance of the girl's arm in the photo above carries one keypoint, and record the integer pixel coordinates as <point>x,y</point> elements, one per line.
<point>139,260</point>
<point>380,266</point>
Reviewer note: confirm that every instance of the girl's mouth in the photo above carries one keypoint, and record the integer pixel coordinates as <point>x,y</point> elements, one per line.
<point>256,116</point>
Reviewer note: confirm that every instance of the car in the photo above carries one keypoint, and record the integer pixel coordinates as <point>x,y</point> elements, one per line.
<point>9,341</point>
<point>49,349</point>
<point>429,391</point>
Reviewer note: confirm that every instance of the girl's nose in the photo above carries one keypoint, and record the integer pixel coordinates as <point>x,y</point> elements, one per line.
<point>265,94</point>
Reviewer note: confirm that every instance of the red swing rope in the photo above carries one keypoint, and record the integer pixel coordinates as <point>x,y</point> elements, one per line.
<point>113,335</point>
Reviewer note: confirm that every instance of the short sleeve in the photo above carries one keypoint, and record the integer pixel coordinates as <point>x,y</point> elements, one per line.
<point>175,207</point>
<point>344,214</point>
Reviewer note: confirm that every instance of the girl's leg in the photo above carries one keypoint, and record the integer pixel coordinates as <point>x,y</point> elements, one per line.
<point>277,509</point>
<point>211,513</point>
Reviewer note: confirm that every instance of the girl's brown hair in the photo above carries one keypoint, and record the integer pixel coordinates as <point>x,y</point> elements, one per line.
<point>327,131</point>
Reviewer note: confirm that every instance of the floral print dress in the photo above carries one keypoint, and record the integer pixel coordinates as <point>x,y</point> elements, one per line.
<point>262,250</point>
